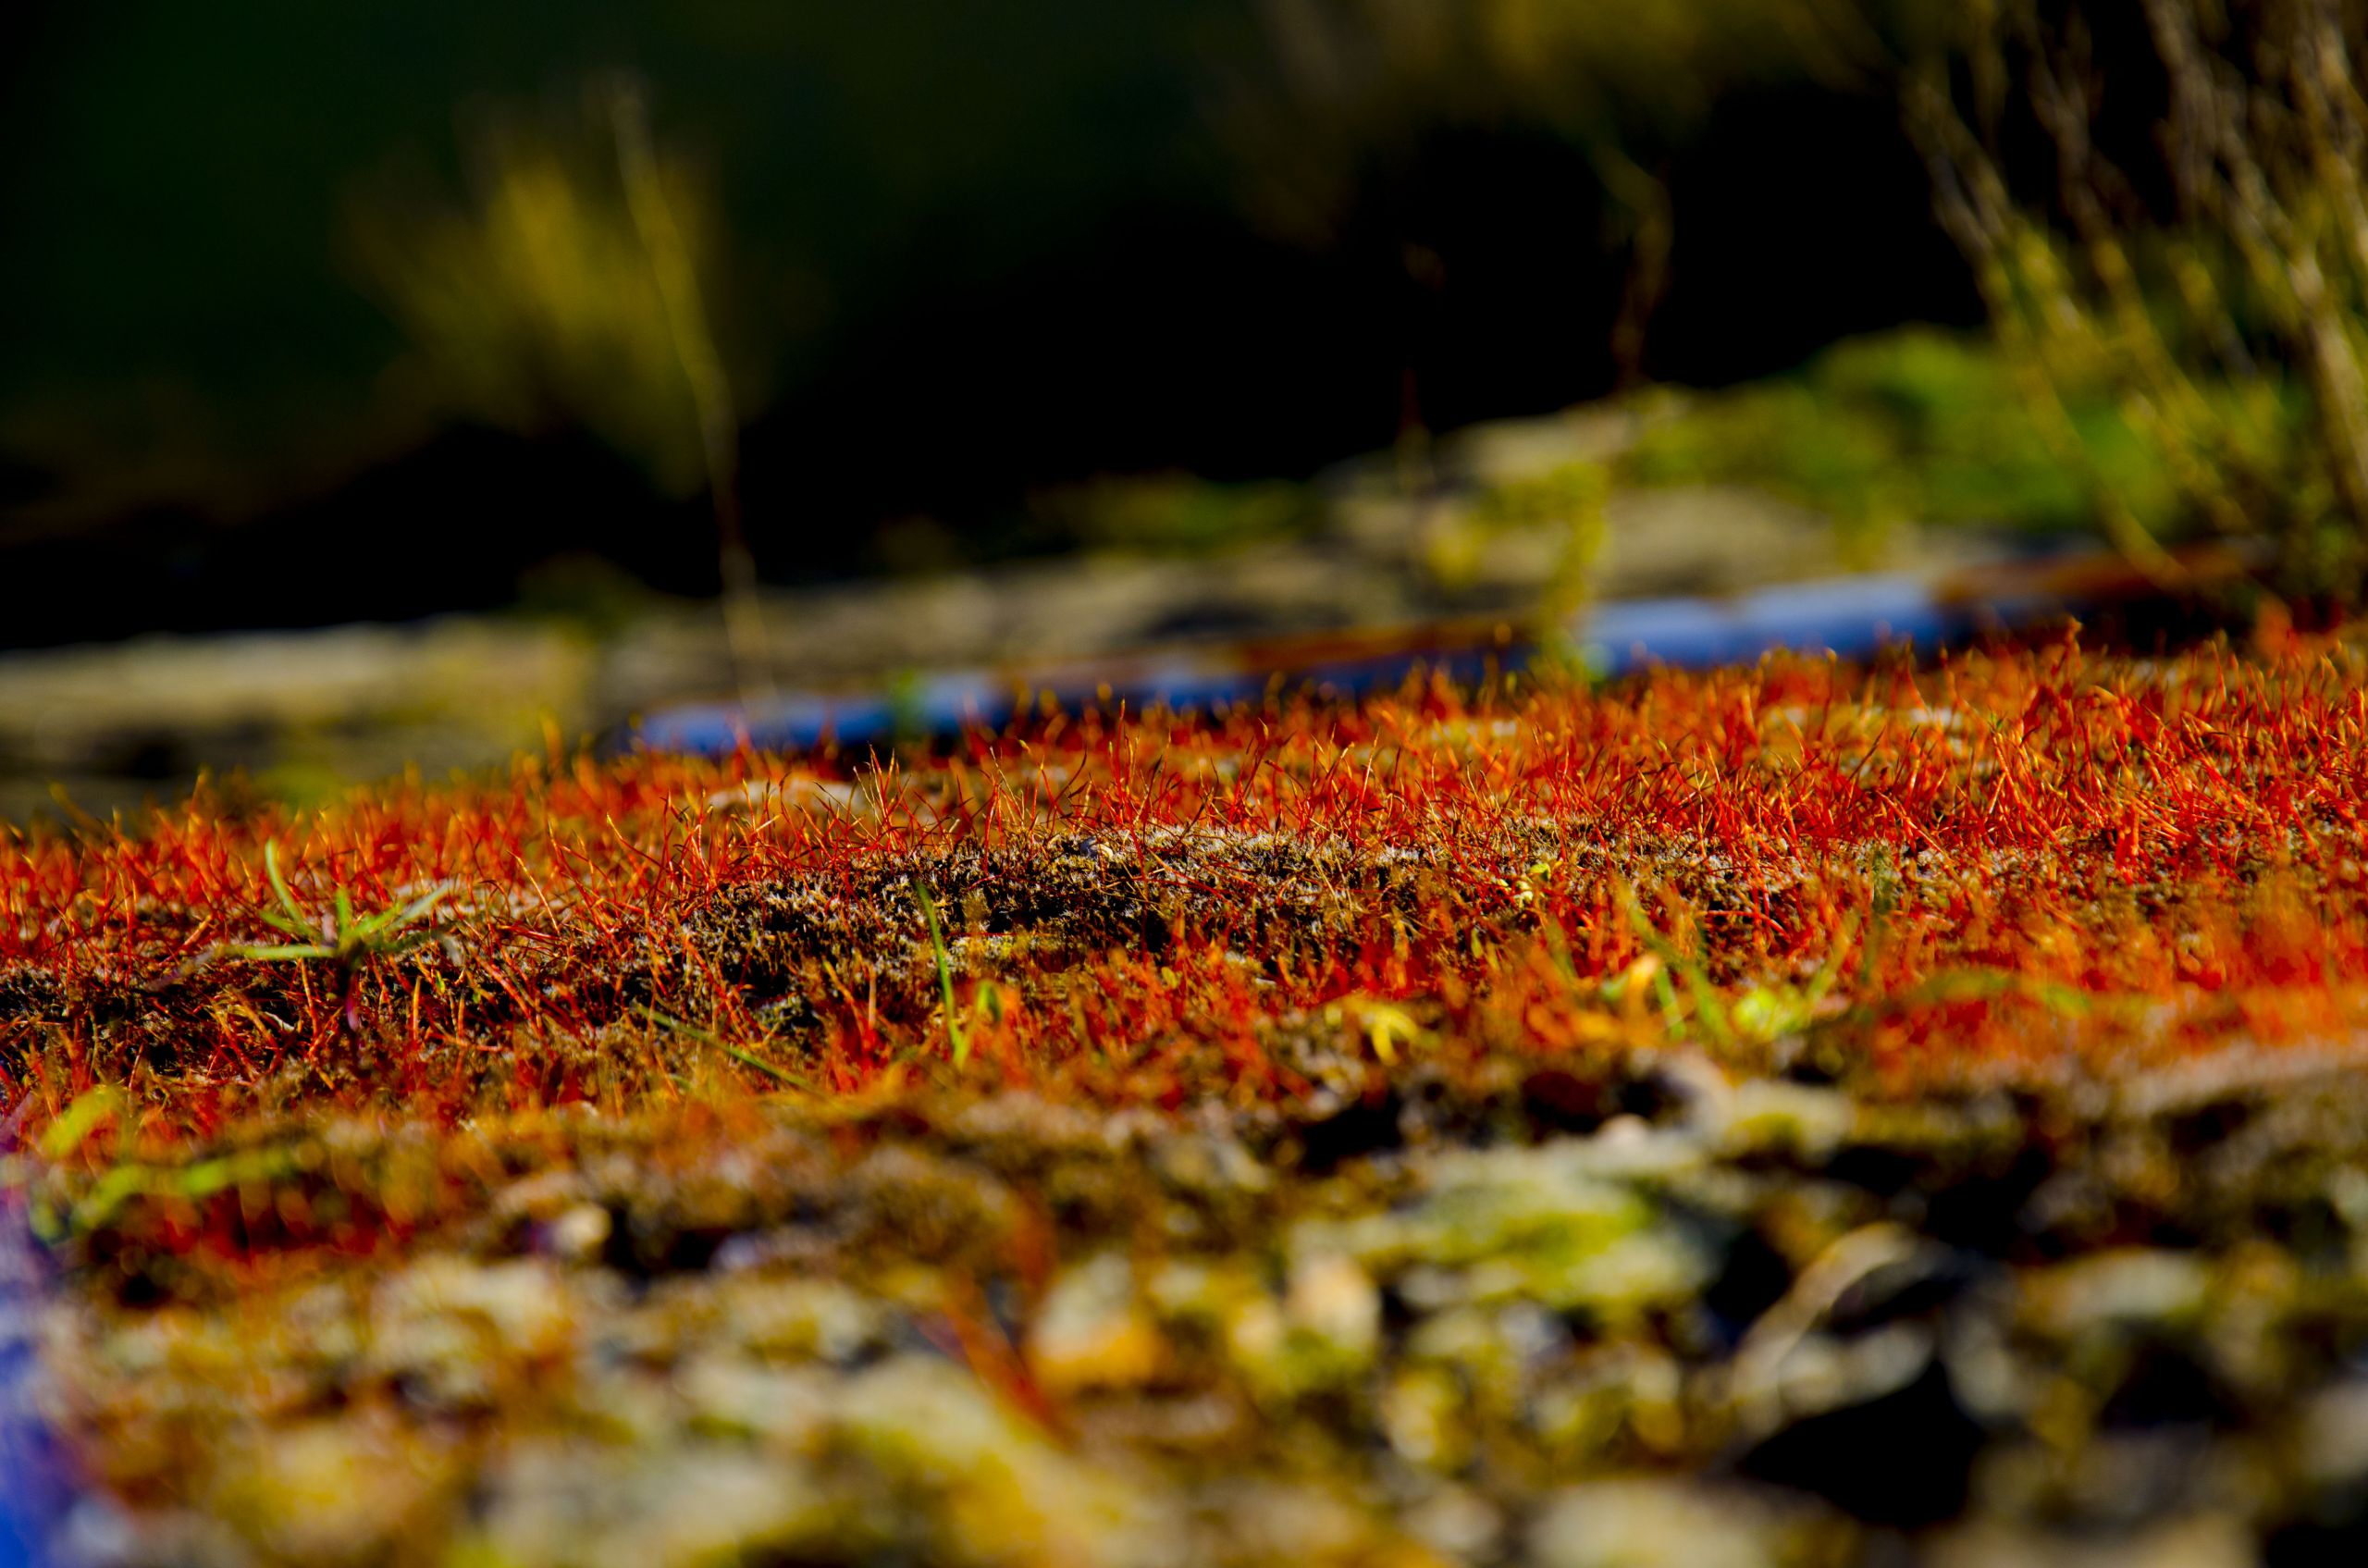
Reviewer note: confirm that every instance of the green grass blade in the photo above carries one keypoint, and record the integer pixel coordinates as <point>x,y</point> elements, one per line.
<point>420,905</point>
<point>81,1120</point>
<point>709,1037</point>
<point>279,883</point>
<point>955,1032</point>
<point>289,950</point>
<point>1709,1009</point>
<point>371,930</point>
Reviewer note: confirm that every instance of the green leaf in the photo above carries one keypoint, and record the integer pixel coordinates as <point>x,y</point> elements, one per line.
<point>709,1037</point>
<point>81,1118</point>
<point>287,950</point>
<point>113,1189</point>
<point>279,885</point>
<point>420,905</point>
<point>954,1029</point>
<point>1708,1010</point>
<point>363,932</point>
<point>371,929</point>
<point>202,1178</point>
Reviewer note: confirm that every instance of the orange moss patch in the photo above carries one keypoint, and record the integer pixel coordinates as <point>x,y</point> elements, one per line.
<point>1438,1103</point>
<point>2005,865</point>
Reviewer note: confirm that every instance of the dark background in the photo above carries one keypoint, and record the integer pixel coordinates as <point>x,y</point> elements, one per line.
<point>981,248</point>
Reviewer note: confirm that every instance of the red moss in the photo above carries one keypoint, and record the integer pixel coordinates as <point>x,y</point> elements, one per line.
<point>2005,864</point>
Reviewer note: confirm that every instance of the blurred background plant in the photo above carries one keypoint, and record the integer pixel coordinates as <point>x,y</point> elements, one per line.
<point>1324,312</point>
<point>531,303</point>
<point>2166,204</point>
<point>1175,513</point>
<point>1346,87</point>
<point>1347,95</point>
<point>1914,426</point>
<point>959,260</point>
<point>1566,499</point>
<point>570,289</point>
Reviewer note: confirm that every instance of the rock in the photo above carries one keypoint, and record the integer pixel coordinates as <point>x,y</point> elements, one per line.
<point>789,1409</point>
<point>2331,1436</point>
<point>1651,1523</point>
<point>1616,1403</point>
<point>1422,1419</point>
<point>1901,1456</point>
<point>2209,1541</point>
<point>1332,1300</point>
<point>581,1233</point>
<point>451,1333</point>
<point>329,1492</point>
<point>1533,1225</point>
<point>561,1505</point>
<point>820,1319</point>
<point>1457,1522</point>
<point>1799,1359</point>
<point>1798,1120</point>
<point>1324,1332</point>
<point>1091,1332</point>
<point>1496,1353</point>
<point>987,1487</point>
<point>1252,1522</point>
<point>2121,1290</point>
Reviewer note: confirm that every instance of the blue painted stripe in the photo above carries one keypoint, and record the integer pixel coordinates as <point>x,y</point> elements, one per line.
<point>1851,616</point>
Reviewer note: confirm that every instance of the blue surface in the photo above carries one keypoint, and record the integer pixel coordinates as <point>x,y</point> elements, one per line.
<point>33,1494</point>
<point>1850,616</point>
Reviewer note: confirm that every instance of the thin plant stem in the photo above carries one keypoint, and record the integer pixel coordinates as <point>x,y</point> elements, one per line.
<point>694,341</point>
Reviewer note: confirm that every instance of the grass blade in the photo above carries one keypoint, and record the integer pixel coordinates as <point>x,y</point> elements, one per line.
<point>279,885</point>
<point>709,1037</point>
<point>289,950</point>
<point>954,1029</point>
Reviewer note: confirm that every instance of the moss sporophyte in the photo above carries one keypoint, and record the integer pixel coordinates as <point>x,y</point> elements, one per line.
<point>1368,1113</point>
<point>1912,863</point>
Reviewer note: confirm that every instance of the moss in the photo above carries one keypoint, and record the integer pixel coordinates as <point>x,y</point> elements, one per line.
<point>1338,1166</point>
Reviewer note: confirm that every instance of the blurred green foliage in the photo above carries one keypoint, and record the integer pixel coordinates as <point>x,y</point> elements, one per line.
<point>1917,426</point>
<point>866,165</point>
<point>2209,273</point>
<point>1343,82</point>
<point>1571,490</point>
<point>2167,376</point>
<point>532,304</point>
<point>1175,513</point>
<point>182,322</point>
<point>1569,498</point>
